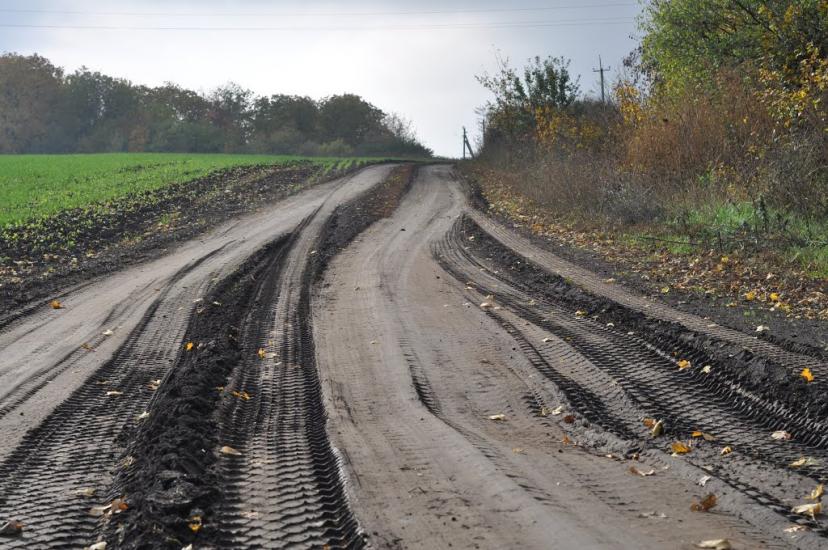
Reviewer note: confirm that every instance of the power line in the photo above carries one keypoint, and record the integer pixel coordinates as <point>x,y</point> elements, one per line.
<point>316,14</point>
<point>494,25</point>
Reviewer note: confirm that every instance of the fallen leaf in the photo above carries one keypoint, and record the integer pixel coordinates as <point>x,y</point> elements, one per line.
<point>807,375</point>
<point>683,364</point>
<point>726,451</point>
<point>679,448</point>
<point>11,528</point>
<point>781,435</point>
<point>566,440</point>
<point>545,411</point>
<point>188,346</point>
<point>817,493</point>
<point>486,305</point>
<point>114,393</point>
<point>804,461</point>
<point>557,410</point>
<point>653,515</point>
<point>658,429</point>
<point>665,290</point>
<point>547,339</point>
<point>154,384</point>
<point>118,505</point>
<point>580,313</point>
<point>706,369</point>
<point>762,328</point>
<point>194,524</point>
<point>703,480</point>
<point>649,422</point>
<point>705,504</point>
<point>519,451</point>
<point>498,417</point>
<point>796,529</point>
<point>55,304</point>
<point>774,296</point>
<point>226,450</point>
<point>87,347</point>
<point>261,353</point>
<point>750,296</point>
<point>812,510</point>
<point>636,471</point>
<point>241,395</point>
<point>703,435</point>
<point>97,546</point>
<point>715,544</point>
<point>569,419</point>
<point>107,332</point>
<point>87,492</point>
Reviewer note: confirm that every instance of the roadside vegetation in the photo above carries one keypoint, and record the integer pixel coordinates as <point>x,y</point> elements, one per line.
<point>707,168</point>
<point>45,110</point>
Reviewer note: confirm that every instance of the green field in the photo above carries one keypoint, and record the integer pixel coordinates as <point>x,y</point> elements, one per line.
<point>36,186</point>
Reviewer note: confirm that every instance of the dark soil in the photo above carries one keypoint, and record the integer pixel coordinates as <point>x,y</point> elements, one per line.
<point>808,337</point>
<point>41,259</point>
<point>735,365</point>
<point>175,477</point>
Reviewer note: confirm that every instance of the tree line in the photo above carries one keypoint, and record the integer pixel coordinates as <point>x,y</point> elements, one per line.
<point>43,109</point>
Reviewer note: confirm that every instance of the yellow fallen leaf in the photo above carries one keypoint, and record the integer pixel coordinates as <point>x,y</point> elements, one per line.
<point>658,429</point>
<point>665,290</point>
<point>807,375</point>
<point>194,524</point>
<point>498,417</point>
<point>143,415</point>
<point>817,493</point>
<point>97,546</point>
<point>774,296</point>
<point>727,450</point>
<point>55,304</point>
<point>241,395</point>
<point>781,435</point>
<point>750,295</point>
<point>188,346</point>
<point>261,353</point>
<point>804,461</point>
<point>812,510</point>
<point>649,422</point>
<point>707,369</point>
<point>580,313</point>
<point>519,451</point>
<point>226,450</point>
<point>703,435</point>
<point>11,528</point>
<point>679,448</point>
<point>715,544</point>
<point>683,364</point>
<point>87,492</point>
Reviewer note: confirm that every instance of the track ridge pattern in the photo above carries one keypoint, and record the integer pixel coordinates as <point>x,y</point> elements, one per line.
<point>649,379</point>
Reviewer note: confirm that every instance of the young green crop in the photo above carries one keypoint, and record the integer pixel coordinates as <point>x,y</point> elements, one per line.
<point>36,186</point>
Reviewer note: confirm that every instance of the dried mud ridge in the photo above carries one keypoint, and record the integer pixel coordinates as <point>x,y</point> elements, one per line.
<point>179,478</point>
<point>634,374</point>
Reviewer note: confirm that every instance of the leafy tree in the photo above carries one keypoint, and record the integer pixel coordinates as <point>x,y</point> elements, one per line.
<point>30,97</point>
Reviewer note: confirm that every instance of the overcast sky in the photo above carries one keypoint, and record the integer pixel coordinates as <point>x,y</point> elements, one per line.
<point>416,58</point>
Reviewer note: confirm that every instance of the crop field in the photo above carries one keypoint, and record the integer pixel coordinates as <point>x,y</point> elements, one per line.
<point>36,186</point>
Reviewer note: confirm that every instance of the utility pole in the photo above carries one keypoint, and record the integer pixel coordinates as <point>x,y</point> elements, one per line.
<point>601,69</point>
<point>466,145</point>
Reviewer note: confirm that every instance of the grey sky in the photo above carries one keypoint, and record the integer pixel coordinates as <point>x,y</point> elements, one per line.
<point>421,65</point>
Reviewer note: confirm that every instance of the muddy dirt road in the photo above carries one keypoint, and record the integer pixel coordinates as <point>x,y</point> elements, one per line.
<point>305,378</point>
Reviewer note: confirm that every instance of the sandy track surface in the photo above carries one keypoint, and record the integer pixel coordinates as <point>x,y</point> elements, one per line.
<point>367,399</point>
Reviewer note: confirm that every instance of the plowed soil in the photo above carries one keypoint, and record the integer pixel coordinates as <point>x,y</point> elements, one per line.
<point>375,363</point>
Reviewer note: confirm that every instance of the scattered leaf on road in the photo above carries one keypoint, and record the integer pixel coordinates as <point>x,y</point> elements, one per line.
<point>114,393</point>
<point>194,524</point>
<point>188,346</point>
<point>703,480</point>
<point>817,493</point>
<point>704,435</point>
<point>762,328</point>
<point>11,528</point>
<point>683,364</point>
<point>705,504</point>
<point>649,422</point>
<point>261,353</point>
<point>143,415</point>
<point>498,417</point>
<point>706,369</point>
<point>97,546</point>
<point>87,492</point>
<point>637,472</point>
<point>55,304</point>
<point>727,450</point>
<point>569,419</point>
<point>781,435</point>
<point>715,544</point>
<point>807,375</point>
<point>804,461</point>
<point>679,448</point>
<point>226,450</point>
<point>658,429</point>
<point>108,332</point>
<point>580,313</point>
<point>812,510</point>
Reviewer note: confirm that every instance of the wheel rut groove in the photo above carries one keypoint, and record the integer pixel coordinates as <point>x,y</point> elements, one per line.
<point>643,366</point>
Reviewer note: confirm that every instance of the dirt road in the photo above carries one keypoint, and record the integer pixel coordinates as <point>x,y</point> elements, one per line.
<point>431,381</point>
